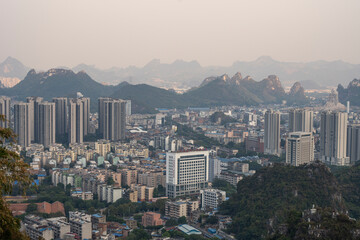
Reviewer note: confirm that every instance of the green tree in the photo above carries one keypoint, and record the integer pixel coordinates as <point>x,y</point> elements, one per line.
<point>171,222</point>
<point>110,181</point>
<point>182,220</point>
<point>12,169</point>
<point>68,189</point>
<point>166,234</point>
<point>31,208</point>
<point>139,234</point>
<point>212,220</point>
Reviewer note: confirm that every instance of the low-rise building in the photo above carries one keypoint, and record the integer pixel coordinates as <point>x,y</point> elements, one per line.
<point>152,219</point>
<point>232,178</point>
<point>212,198</point>
<point>80,223</point>
<point>175,209</point>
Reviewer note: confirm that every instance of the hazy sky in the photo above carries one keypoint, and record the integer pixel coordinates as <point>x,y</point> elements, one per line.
<point>50,33</point>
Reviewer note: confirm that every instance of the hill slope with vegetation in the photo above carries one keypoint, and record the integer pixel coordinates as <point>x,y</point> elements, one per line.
<point>265,201</point>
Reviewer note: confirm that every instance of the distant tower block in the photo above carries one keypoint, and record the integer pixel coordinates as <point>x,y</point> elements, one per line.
<point>348,107</point>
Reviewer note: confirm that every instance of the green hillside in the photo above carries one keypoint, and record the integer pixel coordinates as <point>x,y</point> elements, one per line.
<point>214,91</point>
<point>264,201</point>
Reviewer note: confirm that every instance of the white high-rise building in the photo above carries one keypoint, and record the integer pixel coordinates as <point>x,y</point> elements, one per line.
<point>272,133</point>
<point>86,114</point>
<point>353,143</point>
<point>76,121</point>
<point>301,120</point>
<point>5,110</point>
<point>22,124</point>
<point>46,123</point>
<point>112,118</point>
<point>80,223</point>
<point>34,116</point>
<point>61,115</point>
<point>333,138</point>
<point>128,107</point>
<point>186,172</point>
<point>214,168</point>
<point>101,113</point>
<point>212,198</point>
<point>299,148</point>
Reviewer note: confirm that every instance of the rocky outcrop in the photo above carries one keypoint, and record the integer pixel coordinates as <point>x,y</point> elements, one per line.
<point>351,93</point>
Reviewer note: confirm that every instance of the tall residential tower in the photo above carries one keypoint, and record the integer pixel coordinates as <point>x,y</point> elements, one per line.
<point>301,120</point>
<point>333,138</point>
<point>5,110</point>
<point>22,126</point>
<point>272,133</point>
<point>46,123</point>
<point>112,118</point>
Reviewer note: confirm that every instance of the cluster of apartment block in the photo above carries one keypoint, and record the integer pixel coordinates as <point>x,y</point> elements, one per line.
<point>78,227</point>
<point>88,182</point>
<point>338,139</point>
<point>39,121</point>
<point>181,208</point>
<point>84,155</point>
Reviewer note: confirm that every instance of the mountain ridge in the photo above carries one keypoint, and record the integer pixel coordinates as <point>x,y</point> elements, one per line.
<point>216,91</point>
<point>188,74</point>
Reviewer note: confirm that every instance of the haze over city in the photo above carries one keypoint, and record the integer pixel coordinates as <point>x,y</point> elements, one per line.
<point>45,34</point>
<point>179,119</point>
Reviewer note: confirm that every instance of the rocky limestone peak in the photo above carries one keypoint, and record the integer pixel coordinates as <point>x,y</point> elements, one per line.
<point>225,78</point>
<point>207,80</point>
<point>237,76</point>
<point>297,89</point>
<point>273,82</point>
<point>247,78</point>
<point>236,79</point>
<point>355,83</point>
<point>57,71</point>
<point>32,72</point>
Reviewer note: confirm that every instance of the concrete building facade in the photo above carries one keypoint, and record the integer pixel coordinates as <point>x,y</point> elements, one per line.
<point>299,148</point>
<point>272,133</point>
<point>333,138</point>
<point>186,172</point>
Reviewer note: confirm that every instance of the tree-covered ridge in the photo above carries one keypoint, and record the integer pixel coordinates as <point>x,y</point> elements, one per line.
<point>349,179</point>
<point>317,223</point>
<point>264,201</point>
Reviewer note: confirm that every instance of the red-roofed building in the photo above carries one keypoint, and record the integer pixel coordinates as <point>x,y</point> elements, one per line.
<point>152,219</point>
<point>44,207</point>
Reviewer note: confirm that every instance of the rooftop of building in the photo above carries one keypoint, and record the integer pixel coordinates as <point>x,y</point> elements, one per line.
<point>187,229</point>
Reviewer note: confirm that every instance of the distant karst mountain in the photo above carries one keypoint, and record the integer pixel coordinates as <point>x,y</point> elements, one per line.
<point>189,74</point>
<point>182,74</point>
<point>214,91</point>
<point>224,90</point>
<point>57,83</point>
<point>12,72</point>
<point>351,93</point>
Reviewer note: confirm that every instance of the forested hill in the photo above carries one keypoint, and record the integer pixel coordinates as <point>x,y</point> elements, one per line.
<point>264,202</point>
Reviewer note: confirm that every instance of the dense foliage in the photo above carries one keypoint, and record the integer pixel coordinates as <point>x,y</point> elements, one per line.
<point>12,169</point>
<point>349,179</point>
<point>224,186</point>
<point>323,223</point>
<point>124,208</point>
<point>266,199</point>
<point>52,194</point>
